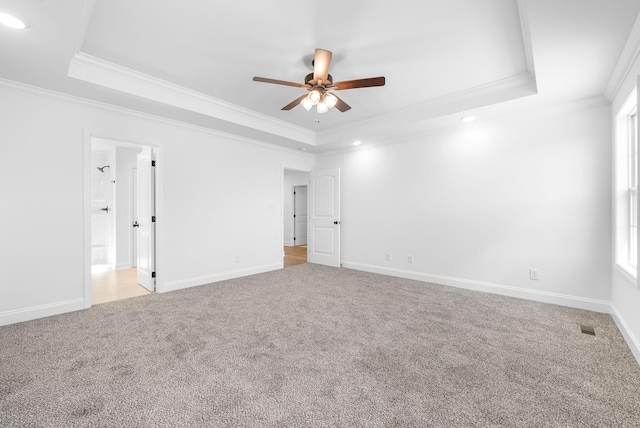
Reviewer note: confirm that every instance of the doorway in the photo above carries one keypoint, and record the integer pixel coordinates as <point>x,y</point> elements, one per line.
<point>299,215</point>
<point>295,217</point>
<point>122,220</point>
<point>295,255</point>
<point>322,215</point>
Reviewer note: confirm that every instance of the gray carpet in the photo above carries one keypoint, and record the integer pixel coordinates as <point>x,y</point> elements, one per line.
<point>322,347</point>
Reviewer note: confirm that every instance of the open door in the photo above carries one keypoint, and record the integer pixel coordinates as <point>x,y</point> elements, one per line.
<point>324,218</point>
<point>146,226</point>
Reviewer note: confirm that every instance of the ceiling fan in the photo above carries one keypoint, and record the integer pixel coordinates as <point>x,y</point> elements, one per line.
<point>318,84</point>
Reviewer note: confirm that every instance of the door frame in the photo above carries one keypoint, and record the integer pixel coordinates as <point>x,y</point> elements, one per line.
<point>119,141</point>
<point>284,168</point>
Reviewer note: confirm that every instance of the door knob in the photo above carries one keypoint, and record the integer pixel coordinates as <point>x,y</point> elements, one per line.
<point>135,224</point>
<point>105,209</point>
<point>336,222</point>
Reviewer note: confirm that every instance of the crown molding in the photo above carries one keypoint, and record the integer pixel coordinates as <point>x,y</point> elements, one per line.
<point>75,101</point>
<point>104,73</point>
<point>517,86</point>
<point>480,96</point>
<point>435,130</point>
<point>87,13</point>
<point>625,62</point>
<point>526,36</point>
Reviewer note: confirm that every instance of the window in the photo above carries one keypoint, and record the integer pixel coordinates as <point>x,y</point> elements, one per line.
<point>633,188</point>
<point>626,219</point>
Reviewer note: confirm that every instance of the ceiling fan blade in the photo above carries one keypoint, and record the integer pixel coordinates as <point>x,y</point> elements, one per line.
<point>279,82</point>
<point>341,105</point>
<point>294,103</point>
<point>359,83</point>
<point>321,63</point>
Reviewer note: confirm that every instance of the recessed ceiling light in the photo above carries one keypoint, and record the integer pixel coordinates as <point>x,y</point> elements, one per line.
<point>11,21</point>
<point>468,119</point>
<point>357,143</point>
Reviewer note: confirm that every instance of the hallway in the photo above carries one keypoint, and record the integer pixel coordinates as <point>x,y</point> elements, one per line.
<point>114,285</point>
<point>295,255</point>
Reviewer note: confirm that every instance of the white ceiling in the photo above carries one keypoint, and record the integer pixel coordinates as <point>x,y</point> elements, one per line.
<point>194,60</point>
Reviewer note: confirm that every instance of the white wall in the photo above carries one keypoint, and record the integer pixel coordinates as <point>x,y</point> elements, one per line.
<point>219,198</point>
<point>126,162</point>
<point>103,226</point>
<point>291,178</point>
<point>625,295</point>
<point>478,206</point>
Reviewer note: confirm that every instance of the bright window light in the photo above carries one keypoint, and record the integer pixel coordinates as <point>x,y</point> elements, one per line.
<point>632,139</point>
<point>626,188</point>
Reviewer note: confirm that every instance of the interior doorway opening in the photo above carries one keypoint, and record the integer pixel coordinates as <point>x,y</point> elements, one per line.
<point>295,217</point>
<point>300,218</point>
<point>109,285</point>
<point>122,207</point>
<point>295,255</point>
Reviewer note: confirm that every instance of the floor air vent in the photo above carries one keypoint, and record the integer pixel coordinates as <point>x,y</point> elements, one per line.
<point>587,330</point>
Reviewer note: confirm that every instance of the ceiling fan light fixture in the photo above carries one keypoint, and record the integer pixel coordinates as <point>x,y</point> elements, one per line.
<point>322,107</point>
<point>314,96</point>
<point>319,82</point>
<point>306,103</point>
<point>330,100</point>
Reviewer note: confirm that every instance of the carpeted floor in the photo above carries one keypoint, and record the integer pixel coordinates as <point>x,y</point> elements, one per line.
<point>319,347</point>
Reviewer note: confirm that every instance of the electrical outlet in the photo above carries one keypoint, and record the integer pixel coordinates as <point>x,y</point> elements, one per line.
<point>387,257</point>
<point>534,274</point>
<point>409,259</point>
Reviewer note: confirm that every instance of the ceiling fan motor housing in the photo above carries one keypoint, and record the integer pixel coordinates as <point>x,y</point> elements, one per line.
<point>309,77</point>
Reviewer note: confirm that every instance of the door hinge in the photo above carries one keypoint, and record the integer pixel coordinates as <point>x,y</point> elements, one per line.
<point>153,163</point>
<point>153,274</point>
<point>153,219</point>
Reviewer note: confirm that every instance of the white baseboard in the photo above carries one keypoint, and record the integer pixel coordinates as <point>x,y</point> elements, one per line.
<point>202,280</point>
<point>487,287</point>
<point>631,340</point>
<point>123,266</point>
<point>288,243</point>
<point>41,311</point>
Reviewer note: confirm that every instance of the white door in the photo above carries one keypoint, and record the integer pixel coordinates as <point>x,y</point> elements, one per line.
<point>146,229</point>
<point>324,218</point>
<point>299,215</point>
<point>134,215</point>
